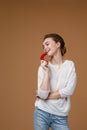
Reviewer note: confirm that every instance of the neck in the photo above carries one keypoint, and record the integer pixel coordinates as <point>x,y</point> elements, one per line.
<point>57,59</point>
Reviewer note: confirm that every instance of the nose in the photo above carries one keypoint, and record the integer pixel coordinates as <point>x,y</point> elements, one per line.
<point>46,48</point>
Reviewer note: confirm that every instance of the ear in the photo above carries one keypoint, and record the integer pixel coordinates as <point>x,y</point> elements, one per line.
<point>58,44</point>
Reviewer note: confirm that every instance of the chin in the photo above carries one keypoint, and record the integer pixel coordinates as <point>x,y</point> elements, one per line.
<point>50,55</point>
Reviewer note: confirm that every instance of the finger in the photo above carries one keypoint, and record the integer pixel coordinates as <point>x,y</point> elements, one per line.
<point>45,67</point>
<point>41,61</point>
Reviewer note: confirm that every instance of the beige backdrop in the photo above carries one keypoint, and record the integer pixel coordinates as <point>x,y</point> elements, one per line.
<point>22,26</point>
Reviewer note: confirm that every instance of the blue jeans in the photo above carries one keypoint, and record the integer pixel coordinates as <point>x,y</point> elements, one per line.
<point>44,120</point>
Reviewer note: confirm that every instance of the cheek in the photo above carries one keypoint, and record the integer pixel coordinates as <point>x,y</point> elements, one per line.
<point>53,51</point>
<point>54,48</point>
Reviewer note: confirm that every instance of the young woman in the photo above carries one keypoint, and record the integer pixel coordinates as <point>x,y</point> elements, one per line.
<point>56,83</point>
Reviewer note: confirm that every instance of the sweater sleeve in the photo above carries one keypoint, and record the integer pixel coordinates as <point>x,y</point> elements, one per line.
<point>71,82</point>
<point>43,94</point>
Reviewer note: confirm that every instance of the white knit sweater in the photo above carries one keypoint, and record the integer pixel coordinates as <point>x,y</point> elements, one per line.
<point>62,78</point>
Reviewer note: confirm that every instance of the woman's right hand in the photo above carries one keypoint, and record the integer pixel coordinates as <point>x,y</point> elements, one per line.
<point>44,65</point>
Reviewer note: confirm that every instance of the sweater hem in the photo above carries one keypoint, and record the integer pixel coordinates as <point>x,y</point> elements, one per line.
<point>53,113</point>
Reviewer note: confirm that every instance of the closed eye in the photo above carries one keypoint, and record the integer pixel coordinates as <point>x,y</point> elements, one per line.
<point>45,44</point>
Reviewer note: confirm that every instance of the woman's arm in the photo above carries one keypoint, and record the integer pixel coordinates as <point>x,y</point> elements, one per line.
<point>71,83</point>
<point>43,81</point>
<point>70,86</point>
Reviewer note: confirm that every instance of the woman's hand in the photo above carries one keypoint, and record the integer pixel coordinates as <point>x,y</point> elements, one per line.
<point>44,65</point>
<point>54,95</point>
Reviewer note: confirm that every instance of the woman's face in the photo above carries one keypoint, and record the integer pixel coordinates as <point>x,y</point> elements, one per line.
<point>50,46</point>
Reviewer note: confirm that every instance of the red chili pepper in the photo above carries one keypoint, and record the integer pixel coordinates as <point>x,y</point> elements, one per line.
<point>43,56</point>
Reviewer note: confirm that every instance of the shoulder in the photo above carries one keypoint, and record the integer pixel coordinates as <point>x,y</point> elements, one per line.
<point>70,64</point>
